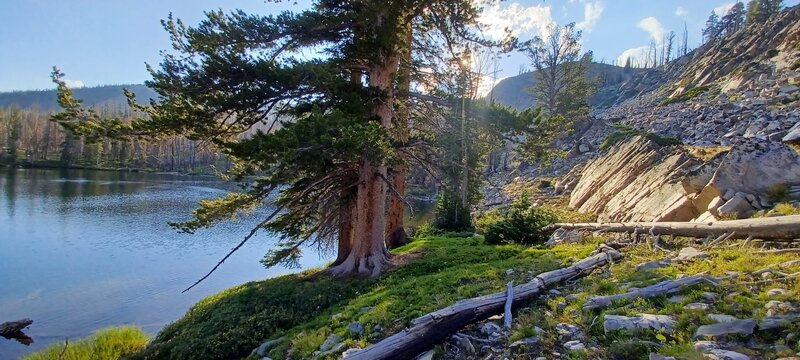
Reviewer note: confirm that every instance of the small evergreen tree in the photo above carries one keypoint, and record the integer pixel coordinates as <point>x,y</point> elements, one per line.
<point>713,28</point>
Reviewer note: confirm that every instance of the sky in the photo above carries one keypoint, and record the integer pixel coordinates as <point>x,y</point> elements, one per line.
<point>102,42</point>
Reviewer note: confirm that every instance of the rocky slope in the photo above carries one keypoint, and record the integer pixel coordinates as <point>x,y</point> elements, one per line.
<point>737,99</point>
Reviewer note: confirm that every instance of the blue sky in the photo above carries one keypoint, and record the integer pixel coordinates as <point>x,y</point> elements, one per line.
<point>98,42</point>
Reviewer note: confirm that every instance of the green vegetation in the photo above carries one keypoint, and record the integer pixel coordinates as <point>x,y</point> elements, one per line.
<point>623,132</point>
<point>306,308</point>
<point>522,224</point>
<point>778,193</point>
<point>689,94</point>
<point>111,343</point>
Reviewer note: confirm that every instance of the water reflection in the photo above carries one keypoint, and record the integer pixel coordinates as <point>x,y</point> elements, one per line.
<point>81,250</point>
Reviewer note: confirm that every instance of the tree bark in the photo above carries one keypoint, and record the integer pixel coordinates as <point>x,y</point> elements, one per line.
<point>434,327</point>
<point>346,221</point>
<point>771,228</point>
<point>395,228</point>
<point>663,288</point>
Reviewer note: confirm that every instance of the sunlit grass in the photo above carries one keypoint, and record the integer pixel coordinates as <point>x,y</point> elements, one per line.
<point>107,344</point>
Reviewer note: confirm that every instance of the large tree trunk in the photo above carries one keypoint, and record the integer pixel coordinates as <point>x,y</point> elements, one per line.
<point>780,227</point>
<point>368,256</point>
<point>434,327</point>
<point>346,221</point>
<point>395,231</point>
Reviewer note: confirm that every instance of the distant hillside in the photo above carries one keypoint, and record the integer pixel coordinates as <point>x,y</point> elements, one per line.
<point>91,96</point>
<point>513,91</point>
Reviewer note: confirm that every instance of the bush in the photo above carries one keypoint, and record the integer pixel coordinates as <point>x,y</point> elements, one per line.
<point>450,215</point>
<point>523,224</point>
<point>486,219</point>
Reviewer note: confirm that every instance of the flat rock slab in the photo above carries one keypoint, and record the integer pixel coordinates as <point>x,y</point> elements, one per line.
<point>741,327</point>
<point>777,322</point>
<point>690,253</point>
<point>650,265</point>
<point>638,322</point>
<point>719,354</point>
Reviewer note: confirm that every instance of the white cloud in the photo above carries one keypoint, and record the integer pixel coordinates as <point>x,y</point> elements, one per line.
<point>723,9</point>
<point>682,12</point>
<point>591,13</point>
<point>74,83</point>
<point>519,20</point>
<point>637,55</point>
<point>653,27</point>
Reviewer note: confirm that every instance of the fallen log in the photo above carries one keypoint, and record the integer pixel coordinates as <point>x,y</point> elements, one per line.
<point>432,328</point>
<point>11,328</point>
<point>770,228</point>
<point>667,287</point>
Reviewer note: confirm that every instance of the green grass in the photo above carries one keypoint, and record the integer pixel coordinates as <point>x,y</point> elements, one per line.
<point>106,344</point>
<point>307,308</point>
<point>624,132</point>
<point>689,94</point>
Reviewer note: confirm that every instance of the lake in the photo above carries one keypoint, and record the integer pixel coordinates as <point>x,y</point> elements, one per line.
<point>81,250</point>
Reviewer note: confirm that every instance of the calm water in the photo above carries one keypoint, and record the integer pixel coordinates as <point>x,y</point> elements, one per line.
<point>82,250</point>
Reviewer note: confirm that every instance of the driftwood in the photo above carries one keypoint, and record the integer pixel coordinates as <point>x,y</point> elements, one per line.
<point>12,328</point>
<point>779,251</point>
<point>431,328</point>
<point>663,288</point>
<point>770,228</point>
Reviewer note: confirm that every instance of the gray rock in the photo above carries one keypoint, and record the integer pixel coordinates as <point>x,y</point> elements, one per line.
<point>262,349</point>
<point>489,328</point>
<point>654,356</point>
<point>583,148</point>
<point>574,345</point>
<point>705,345</point>
<point>330,342</point>
<point>737,206</point>
<point>650,265</point>
<point>638,322</point>
<point>464,344</point>
<point>350,352</point>
<point>722,318</point>
<point>676,299</point>
<point>564,236</point>
<point>356,328</point>
<point>527,343</point>
<point>720,354</point>
<point>778,292</point>
<point>697,306</point>
<point>690,253</point>
<point>770,323</point>
<point>741,327</point>
<point>569,332</point>
<point>365,309</point>
<point>428,355</point>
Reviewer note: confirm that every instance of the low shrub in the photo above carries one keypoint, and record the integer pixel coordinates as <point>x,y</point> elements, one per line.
<point>522,224</point>
<point>690,94</point>
<point>623,132</point>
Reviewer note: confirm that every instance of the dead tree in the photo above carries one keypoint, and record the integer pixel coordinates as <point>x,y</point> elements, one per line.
<point>769,228</point>
<point>432,328</point>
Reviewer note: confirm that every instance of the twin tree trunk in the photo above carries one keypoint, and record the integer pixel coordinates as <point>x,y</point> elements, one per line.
<point>368,255</point>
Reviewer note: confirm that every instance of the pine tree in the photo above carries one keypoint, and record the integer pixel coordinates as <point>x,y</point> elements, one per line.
<point>713,29</point>
<point>733,20</point>
<point>313,136</point>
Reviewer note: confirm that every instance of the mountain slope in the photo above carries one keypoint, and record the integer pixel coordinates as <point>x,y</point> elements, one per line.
<point>514,92</point>
<point>92,96</point>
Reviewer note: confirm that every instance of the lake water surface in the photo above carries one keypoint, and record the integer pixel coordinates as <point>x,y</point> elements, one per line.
<point>81,250</point>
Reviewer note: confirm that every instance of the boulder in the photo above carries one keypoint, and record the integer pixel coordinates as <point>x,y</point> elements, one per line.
<point>738,207</point>
<point>722,318</point>
<point>697,306</point>
<point>569,332</point>
<point>574,345</point>
<point>690,253</point>
<point>356,328</point>
<point>638,322</point>
<point>564,236</point>
<point>740,327</point>
<point>331,342</point>
<point>719,354</point>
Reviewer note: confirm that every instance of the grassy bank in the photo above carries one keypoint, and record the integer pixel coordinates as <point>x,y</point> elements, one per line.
<point>306,308</point>
<point>111,343</point>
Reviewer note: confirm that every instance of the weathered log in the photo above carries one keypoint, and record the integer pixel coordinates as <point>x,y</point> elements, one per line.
<point>432,328</point>
<point>13,327</point>
<point>770,228</point>
<point>663,288</point>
